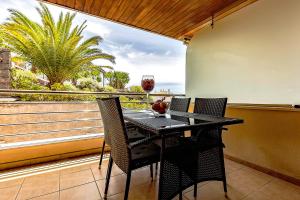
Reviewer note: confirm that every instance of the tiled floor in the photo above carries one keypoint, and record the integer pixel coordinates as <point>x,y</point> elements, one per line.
<point>86,182</point>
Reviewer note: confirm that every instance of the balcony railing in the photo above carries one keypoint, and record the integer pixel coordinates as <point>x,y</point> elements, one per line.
<point>25,124</point>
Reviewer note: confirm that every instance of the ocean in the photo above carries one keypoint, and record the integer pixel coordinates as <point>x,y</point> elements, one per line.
<point>177,88</point>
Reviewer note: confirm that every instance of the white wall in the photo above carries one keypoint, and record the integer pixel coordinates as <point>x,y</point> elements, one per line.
<point>251,56</point>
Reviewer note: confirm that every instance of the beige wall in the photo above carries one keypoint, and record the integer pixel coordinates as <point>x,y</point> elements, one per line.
<point>18,157</point>
<point>251,56</point>
<point>268,138</point>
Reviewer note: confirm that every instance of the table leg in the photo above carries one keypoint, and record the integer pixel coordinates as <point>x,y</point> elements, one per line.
<point>162,149</point>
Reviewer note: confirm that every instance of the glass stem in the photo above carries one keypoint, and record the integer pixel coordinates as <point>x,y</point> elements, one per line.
<point>148,100</point>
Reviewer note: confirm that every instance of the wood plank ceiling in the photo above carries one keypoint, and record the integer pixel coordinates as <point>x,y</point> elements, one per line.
<point>173,18</point>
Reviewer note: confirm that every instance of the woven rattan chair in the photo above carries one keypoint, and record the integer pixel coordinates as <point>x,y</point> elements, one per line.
<point>133,135</point>
<point>176,104</point>
<point>180,104</point>
<point>127,156</point>
<point>209,143</point>
<point>196,159</point>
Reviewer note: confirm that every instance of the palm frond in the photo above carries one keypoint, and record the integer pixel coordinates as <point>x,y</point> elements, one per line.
<point>56,48</point>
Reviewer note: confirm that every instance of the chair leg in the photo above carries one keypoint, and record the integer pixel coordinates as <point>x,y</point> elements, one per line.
<point>102,152</point>
<point>221,154</point>
<point>180,184</point>
<point>127,185</point>
<point>156,167</point>
<point>195,190</point>
<point>110,164</point>
<point>151,171</point>
<point>225,185</point>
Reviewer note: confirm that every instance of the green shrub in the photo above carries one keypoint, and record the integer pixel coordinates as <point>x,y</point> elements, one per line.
<point>70,87</point>
<point>67,97</point>
<point>136,89</point>
<point>26,80</point>
<point>109,88</point>
<point>88,84</point>
<point>132,103</point>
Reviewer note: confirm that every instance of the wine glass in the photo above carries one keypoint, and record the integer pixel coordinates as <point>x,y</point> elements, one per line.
<point>147,84</point>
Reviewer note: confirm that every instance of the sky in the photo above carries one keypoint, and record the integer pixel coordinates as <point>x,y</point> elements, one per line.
<point>137,52</point>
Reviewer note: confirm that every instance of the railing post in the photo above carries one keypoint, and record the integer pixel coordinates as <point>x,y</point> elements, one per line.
<point>5,64</point>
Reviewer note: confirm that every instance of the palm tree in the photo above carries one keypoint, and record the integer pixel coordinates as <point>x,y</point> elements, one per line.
<point>57,49</point>
<point>117,79</point>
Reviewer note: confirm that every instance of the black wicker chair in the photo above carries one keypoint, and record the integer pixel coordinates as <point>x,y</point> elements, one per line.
<point>180,104</point>
<point>209,143</point>
<point>127,156</point>
<point>133,135</point>
<point>176,104</point>
<point>195,159</point>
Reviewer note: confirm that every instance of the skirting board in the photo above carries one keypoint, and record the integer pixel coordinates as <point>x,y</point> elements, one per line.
<point>265,170</point>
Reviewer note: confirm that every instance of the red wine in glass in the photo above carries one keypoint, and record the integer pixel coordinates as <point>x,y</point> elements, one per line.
<point>147,84</point>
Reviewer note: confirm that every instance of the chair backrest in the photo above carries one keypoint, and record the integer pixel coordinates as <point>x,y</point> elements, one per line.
<point>180,104</point>
<point>115,131</point>
<point>106,135</point>
<point>210,106</point>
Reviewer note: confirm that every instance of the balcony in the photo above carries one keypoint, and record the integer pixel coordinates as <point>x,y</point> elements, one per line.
<point>60,142</point>
<point>243,50</point>
<point>64,129</point>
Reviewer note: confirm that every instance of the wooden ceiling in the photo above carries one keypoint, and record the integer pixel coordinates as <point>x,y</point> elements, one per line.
<point>172,18</point>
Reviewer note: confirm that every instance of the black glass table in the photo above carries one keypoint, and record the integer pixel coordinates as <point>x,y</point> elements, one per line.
<point>173,122</point>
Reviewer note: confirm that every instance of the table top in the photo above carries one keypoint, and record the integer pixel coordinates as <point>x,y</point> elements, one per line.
<point>175,121</point>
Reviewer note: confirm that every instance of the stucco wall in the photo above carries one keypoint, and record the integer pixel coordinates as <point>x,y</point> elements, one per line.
<point>268,138</point>
<point>251,56</point>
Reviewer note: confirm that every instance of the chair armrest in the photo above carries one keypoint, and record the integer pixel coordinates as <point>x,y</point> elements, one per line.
<point>142,141</point>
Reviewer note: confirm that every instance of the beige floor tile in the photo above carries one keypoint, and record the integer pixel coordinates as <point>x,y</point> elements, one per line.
<point>116,185</point>
<point>142,176</point>
<point>116,170</point>
<point>246,182</point>
<point>141,186</point>
<point>75,178</point>
<point>261,196</point>
<point>39,185</point>
<point>145,191</point>
<point>9,193</point>
<point>214,191</point>
<point>119,196</point>
<point>231,166</point>
<point>100,174</point>
<point>84,192</point>
<point>78,183</point>
<point>258,173</point>
<point>74,169</point>
<point>140,192</point>
<point>10,183</point>
<point>52,196</point>
<point>281,190</point>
